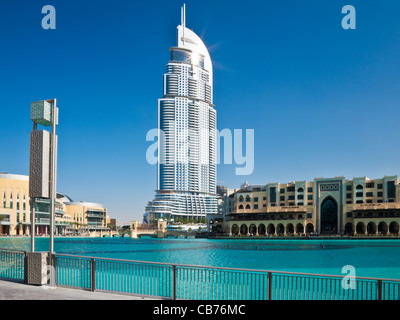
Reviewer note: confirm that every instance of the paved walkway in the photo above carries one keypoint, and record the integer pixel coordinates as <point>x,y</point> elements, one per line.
<point>18,291</point>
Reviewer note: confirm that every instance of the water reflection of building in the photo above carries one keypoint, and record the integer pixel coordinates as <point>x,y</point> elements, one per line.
<point>324,206</point>
<point>70,217</point>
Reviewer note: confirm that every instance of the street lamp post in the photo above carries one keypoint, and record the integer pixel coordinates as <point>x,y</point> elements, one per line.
<point>43,162</point>
<point>53,186</point>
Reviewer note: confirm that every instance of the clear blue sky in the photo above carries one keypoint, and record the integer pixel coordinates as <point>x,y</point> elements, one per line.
<point>323,101</point>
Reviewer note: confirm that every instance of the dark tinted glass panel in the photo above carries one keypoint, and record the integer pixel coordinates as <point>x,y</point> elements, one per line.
<point>272,194</point>
<point>391,190</point>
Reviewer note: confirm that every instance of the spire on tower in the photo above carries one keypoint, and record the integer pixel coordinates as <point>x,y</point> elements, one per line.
<point>183,21</point>
<point>183,9</point>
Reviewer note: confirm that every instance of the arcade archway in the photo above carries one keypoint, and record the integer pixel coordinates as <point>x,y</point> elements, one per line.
<point>329,216</point>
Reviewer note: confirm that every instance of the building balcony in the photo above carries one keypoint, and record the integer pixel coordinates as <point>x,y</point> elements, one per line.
<point>57,211</point>
<point>95,215</point>
<point>265,210</point>
<point>96,227</point>
<point>42,221</point>
<point>92,223</point>
<point>262,216</point>
<point>46,221</point>
<point>376,206</point>
<point>377,216</point>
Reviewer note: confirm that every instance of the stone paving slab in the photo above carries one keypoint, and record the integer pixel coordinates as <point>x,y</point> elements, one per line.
<point>19,291</point>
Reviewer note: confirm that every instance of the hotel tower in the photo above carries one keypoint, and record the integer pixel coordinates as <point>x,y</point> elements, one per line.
<point>186,179</point>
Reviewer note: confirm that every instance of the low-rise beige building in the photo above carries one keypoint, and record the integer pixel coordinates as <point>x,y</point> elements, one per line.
<point>88,216</point>
<point>14,204</point>
<point>70,217</point>
<point>331,206</point>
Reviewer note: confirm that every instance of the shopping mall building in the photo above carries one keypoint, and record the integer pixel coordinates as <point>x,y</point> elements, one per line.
<point>70,217</point>
<point>332,206</point>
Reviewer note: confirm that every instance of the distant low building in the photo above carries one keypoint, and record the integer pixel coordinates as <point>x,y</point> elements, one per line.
<point>224,206</point>
<point>88,216</point>
<point>112,224</point>
<point>70,217</point>
<point>324,206</point>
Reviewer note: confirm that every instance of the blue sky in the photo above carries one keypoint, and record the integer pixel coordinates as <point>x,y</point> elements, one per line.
<point>323,101</point>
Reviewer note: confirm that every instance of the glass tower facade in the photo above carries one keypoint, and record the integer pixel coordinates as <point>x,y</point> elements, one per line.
<point>186,179</point>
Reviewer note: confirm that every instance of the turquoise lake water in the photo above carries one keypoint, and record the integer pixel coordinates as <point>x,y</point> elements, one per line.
<point>371,258</point>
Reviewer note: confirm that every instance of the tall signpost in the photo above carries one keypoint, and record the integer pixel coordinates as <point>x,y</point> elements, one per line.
<point>43,162</point>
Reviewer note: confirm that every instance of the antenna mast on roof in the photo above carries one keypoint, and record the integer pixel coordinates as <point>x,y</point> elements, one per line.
<point>184,15</point>
<point>183,20</point>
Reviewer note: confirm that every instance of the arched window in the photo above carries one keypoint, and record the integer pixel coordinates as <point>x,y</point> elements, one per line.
<point>248,206</point>
<point>329,215</point>
<point>247,198</point>
<point>299,228</point>
<point>371,228</point>
<point>261,229</point>
<point>348,229</point>
<point>300,190</point>
<point>271,229</point>
<point>289,228</point>
<point>394,227</point>
<point>241,199</point>
<point>382,228</point>
<point>241,207</point>
<point>280,229</point>
<point>360,228</point>
<point>235,229</point>
<point>309,228</point>
<point>359,187</point>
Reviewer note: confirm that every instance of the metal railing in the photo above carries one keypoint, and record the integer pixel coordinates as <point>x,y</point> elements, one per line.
<point>13,265</point>
<point>176,281</point>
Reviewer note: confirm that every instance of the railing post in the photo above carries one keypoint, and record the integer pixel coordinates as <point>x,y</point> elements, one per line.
<point>92,275</point>
<point>269,283</point>
<point>379,288</point>
<point>53,271</point>
<point>173,282</point>
<point>25,268</point>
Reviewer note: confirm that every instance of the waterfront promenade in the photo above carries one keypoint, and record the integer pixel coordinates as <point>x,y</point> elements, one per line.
<point>186,268</point>
<point>19,291</point>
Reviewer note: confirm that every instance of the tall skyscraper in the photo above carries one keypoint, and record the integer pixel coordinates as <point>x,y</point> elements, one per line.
<point>186,179</point>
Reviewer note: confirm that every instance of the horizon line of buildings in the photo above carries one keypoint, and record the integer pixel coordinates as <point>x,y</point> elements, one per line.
<point>70,217</point>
